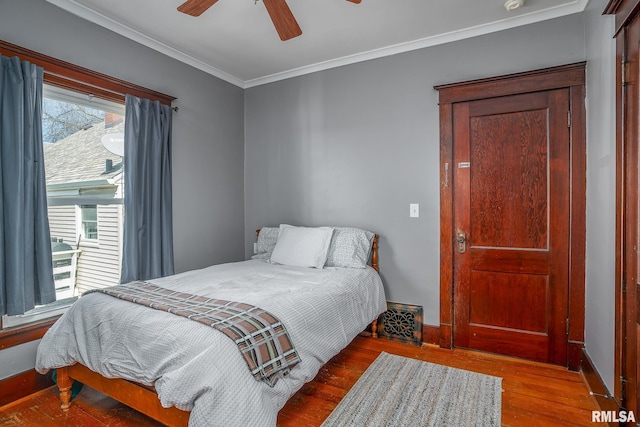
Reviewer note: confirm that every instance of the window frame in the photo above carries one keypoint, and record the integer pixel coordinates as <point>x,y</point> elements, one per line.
<point>82,80</point>
<point>87,82</point>
<point>82,222</point>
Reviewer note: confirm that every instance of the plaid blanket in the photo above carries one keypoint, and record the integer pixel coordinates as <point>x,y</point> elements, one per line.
<point>261,338</point>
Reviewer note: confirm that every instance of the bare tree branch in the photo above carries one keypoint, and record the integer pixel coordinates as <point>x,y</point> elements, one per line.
<point>61,119</point>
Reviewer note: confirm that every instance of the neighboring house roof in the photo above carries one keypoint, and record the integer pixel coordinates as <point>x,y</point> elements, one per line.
<point>81,157</point>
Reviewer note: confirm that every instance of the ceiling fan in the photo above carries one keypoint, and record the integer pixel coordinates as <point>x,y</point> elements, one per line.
<point>284,21</point>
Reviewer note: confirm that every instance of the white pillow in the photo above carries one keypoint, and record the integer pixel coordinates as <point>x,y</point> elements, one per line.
<point>302,246</point>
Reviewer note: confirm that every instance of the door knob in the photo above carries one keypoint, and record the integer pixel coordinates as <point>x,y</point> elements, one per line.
<point>461,238</point>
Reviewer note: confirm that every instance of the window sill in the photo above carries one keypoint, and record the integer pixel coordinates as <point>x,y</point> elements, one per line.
<point>12,337</point>
<point>33,325</point>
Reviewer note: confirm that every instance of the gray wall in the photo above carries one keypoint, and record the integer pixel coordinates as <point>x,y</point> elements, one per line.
<point>18,359</point>
<point>355,145</point>
<point>208,149</point>
<point>601,189</point>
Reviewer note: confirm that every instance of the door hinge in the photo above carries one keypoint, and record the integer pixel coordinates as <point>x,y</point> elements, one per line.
<point>567,327</point>
<point>569,118</point>
<point>625,73</point>
<point>623,389</point>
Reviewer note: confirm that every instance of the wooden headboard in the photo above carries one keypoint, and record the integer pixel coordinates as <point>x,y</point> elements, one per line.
<point>374,251</point>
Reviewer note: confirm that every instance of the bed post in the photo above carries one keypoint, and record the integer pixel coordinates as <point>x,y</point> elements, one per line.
<point>64,385</point>
<point>374,329</point>
<point>376,267</point>
<point>374,254</point>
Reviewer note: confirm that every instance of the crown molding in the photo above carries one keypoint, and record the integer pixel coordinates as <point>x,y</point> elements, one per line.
<point>72,6</point>
<point>577,6</point>
<point>91,15</point>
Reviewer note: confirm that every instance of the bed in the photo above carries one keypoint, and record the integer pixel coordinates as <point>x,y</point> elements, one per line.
<point>181,372</point>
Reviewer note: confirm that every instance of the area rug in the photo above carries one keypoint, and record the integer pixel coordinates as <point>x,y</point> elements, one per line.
<point>397,391</point>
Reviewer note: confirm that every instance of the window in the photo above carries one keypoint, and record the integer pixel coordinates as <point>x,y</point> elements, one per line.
<point>83,154</point>
<point>85,87</point>
<point>89,221</point>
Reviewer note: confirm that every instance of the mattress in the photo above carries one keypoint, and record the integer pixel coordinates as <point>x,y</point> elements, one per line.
<point>199,369</point>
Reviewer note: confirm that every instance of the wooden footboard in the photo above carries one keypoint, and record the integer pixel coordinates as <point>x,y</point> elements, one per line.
<point>137,396</point>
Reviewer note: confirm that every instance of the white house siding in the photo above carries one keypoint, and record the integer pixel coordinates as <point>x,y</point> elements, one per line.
<point>99,265</point>
<point>62,223</point>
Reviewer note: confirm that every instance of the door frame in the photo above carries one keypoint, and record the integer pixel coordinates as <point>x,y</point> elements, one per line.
<point>572,77</point>
<point>627,298</point>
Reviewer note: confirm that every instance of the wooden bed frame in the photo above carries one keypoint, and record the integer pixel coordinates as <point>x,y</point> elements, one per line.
<point>143,398</point>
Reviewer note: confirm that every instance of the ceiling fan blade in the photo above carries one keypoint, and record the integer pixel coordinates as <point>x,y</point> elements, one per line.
<point>196,7</point>
<point>284,21</point>
<point>355,1</point>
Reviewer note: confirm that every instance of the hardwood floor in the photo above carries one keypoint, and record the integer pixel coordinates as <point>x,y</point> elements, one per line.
<point>535,394</point>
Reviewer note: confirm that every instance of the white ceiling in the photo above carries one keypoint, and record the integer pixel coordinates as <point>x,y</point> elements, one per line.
<point>236,41</point>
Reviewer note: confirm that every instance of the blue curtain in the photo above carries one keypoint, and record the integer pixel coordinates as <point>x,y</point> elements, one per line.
<point>26,271</point>
<point>147,251</point>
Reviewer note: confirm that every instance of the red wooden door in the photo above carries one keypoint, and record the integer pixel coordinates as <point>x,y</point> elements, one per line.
<point>511,219</point>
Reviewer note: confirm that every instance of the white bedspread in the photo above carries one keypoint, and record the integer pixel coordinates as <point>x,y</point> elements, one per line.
<point>199,369</point>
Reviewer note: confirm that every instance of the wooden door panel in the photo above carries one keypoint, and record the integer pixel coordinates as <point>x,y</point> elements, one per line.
<point>495,340</point>
<point>511,200</point>
<point>508,188</point>
<point>510,301</point>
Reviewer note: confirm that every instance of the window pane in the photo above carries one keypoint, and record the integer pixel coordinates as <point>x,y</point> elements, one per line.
<point>83,154</point>
<point>89,212</point>
<point>90,230</point>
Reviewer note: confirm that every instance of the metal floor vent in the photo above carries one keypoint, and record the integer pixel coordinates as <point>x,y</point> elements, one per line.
<point>402,322</point>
